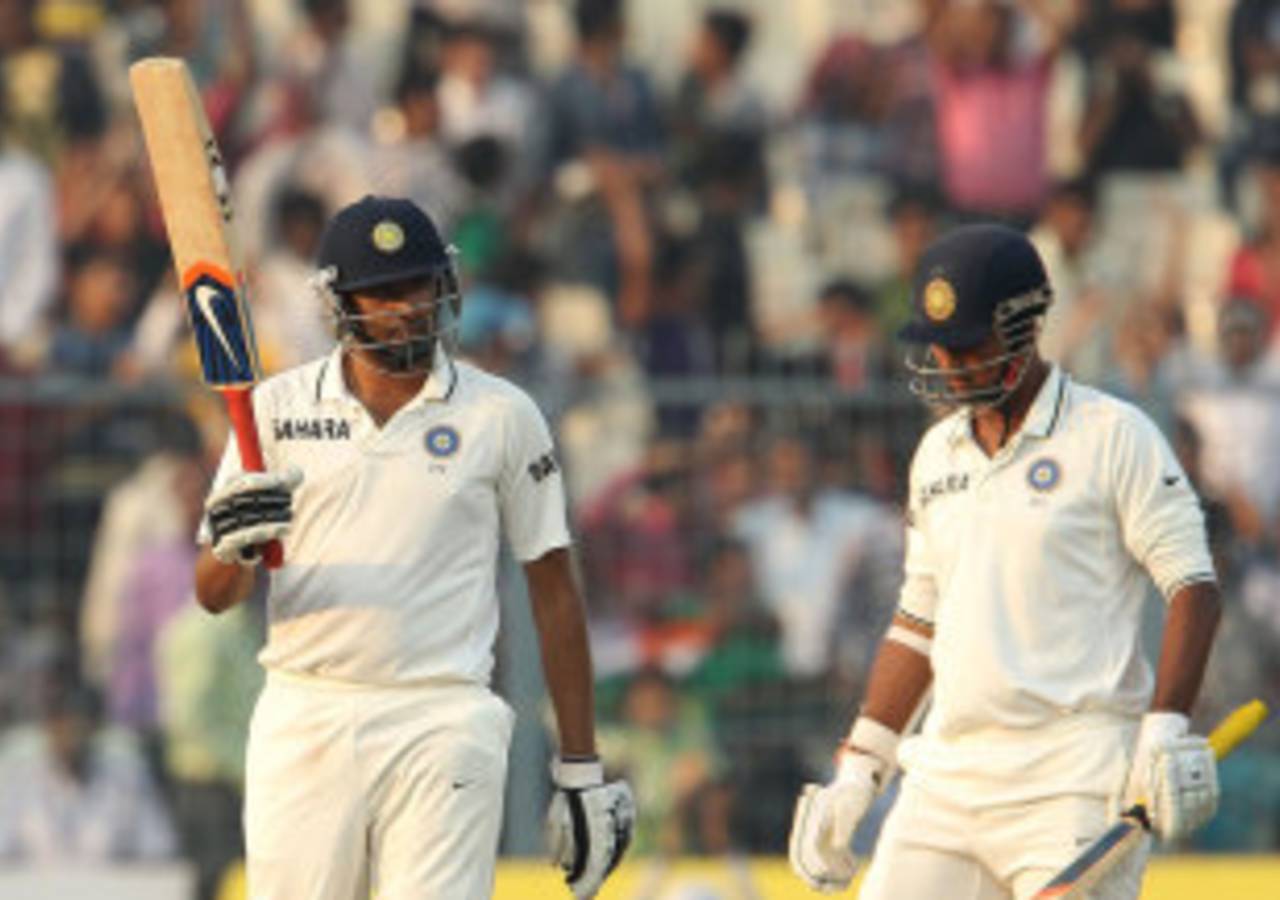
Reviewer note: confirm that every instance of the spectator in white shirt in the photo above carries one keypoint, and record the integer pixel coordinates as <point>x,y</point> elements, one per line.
<point>75,793</point>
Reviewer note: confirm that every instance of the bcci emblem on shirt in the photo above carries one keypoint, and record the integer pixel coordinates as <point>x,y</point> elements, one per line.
<point>1044,474</point>
<point>442,441</point>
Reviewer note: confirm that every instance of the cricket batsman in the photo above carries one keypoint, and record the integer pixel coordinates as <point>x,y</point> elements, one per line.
<point>377,753</point>
<point>1040,512</point>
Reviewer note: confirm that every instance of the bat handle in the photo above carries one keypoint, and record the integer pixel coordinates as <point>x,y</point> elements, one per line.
<point>240,409</point>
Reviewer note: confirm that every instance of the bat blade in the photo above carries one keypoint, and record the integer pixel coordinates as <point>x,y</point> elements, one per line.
<point>1100,857</point>
<point>195,198</point>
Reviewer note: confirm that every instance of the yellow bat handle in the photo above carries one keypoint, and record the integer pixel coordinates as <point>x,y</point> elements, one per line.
<point>1236,727</point>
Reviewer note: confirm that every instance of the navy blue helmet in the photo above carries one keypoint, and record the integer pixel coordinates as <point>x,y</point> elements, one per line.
<point>974,283</point>
<point>385,247</point>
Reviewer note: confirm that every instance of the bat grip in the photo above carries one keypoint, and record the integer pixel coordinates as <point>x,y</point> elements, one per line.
<point>240,409</point>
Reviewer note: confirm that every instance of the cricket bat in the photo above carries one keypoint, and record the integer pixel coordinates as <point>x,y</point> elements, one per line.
<point>195,198</point>
<point>1091,866</point>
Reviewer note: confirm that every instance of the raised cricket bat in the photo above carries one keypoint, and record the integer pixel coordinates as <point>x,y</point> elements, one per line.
<point>195,198</point>
<point>1091,866</point>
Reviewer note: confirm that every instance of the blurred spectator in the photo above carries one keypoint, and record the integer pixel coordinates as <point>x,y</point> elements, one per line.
<point>480,101</point>
<point>93,340</point>
<point>809,544</point>
<point>51,97</point>
<point>605,147</point>
<point>208,679</point>
<point>1137,116</point>
<point>663,743</point>
<point>300,149</point>
<point>1255,268</point>
<point>1236,410</point>
<point>77,793</point>
<point>743,647</point>
<point>28,243</point>
<point>857,352</point>
<point>606,414</point>
<point>984,82</point>
<point>714,99</point>
<point>913,222</point>
<point>345,77</point>
<point>1065,236</point>
<point>158,585</point>
<point>289,318</point>
<point>411,160</point>
<point>142,510</point>
<point>633,533</point>
<point>497,329</point>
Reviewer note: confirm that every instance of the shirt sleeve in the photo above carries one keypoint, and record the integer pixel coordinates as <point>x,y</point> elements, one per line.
<point>1161,521</point>
<point>531,487</point>
<point>918,599</point>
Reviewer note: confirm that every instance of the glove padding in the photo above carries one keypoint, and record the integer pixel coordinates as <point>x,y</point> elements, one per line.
<point>1175,774</point>
<point>589,825</point>
<point>251,509</point>
<point>825,819</point>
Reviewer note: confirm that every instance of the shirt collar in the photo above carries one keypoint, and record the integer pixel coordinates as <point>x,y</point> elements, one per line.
<point>438,388</point>
<point>1041,418</point>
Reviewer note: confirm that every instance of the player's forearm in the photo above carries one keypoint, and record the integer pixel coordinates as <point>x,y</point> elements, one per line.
<point>566,654</point>
<point>899,678</point>
<point>1188,637</point>
<point>220,586</point>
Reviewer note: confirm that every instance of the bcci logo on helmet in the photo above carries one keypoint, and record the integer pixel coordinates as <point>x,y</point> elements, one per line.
<point>939,299</point>
<point>388,236</point>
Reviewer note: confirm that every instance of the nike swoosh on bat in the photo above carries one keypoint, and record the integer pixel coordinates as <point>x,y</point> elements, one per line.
<point>205,296</point>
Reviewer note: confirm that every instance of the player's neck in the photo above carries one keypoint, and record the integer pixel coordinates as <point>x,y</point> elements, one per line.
<point>381,392</point>
<point>994,426</point>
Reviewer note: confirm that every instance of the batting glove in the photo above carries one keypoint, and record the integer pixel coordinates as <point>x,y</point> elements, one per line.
<point>251,509</point>
<point>589,824</point>
<point>1174,774</point>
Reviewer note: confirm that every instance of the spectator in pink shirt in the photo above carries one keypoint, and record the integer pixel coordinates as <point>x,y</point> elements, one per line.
<point>990,99</point>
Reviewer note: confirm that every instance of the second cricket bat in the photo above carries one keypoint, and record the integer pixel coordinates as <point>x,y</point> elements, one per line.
<point>1118,841</point>
<point>195,198</point>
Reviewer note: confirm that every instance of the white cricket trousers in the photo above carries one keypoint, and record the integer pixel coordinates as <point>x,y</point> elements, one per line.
<point>931,848</point>
<point>348,786</point>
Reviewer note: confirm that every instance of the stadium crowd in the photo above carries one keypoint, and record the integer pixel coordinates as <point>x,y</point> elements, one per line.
<point>688,229</point>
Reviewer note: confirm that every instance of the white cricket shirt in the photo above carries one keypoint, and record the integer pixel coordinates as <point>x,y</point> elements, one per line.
<point>1032,566</point>
<point>390,565</point>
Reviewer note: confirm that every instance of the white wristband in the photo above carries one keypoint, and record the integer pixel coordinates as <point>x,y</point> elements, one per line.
<point>875,738</point>
<point>577,774</point>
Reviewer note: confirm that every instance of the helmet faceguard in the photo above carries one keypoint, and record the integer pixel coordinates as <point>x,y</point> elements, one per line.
<point>1016,325</point>
<point>401,339</point>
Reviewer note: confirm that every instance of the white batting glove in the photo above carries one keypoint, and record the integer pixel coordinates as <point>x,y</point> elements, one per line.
<point>589,824</point>
<point>1175,774</point>
<point>826,816</point>
<point>251,509</point>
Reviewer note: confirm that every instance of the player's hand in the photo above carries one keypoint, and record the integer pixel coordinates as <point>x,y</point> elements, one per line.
<point>826,817</point>
<point>589,824</point>
<point>248,511</point>
<point>1175,774</point>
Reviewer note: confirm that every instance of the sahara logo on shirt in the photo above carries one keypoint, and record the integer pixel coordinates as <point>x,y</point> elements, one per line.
<point>953,483</point>
<point>311,429</point>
